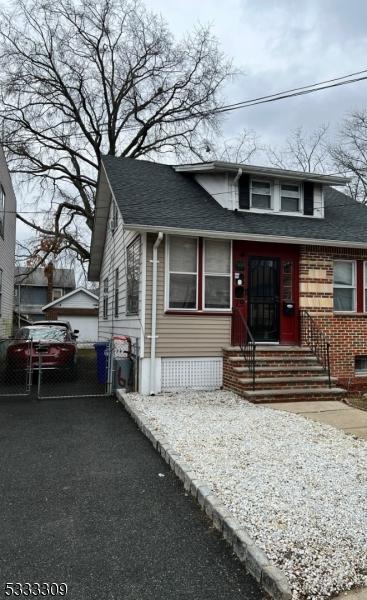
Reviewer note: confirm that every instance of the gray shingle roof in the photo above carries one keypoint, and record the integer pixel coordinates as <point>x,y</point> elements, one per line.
<point>63,278</point>
<point>155,195</point>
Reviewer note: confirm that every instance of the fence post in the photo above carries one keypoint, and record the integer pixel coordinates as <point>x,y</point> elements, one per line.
<point>110,370</point>
<point>39,375</point>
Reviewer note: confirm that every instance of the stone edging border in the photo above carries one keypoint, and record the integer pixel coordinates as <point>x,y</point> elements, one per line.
<point>271,579</point>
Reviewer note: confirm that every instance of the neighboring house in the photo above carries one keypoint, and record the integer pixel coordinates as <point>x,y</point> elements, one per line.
<point>7,248</point>
<point>80,308</point>
<point>34,289</point>
<point>188,257</point>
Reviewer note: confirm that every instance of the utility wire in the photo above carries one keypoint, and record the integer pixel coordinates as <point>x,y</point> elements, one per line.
<point>290,93</point>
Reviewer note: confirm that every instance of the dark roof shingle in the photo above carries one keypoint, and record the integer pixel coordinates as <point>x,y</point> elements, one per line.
<point>155,195</point>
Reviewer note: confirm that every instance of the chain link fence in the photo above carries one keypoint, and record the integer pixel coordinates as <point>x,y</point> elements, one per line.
<point>15,368</point>
<point>45,370</point>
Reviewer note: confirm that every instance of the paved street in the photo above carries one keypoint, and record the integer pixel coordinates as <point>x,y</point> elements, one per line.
<point>82,502</point>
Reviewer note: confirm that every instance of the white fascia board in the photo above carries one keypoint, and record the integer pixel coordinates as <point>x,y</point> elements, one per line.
<point>97,247</point>
<point>250,237</point>
<point>68,295</point>
<point>266,171</point>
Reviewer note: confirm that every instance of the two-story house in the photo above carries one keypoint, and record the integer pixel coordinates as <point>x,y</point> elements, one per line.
<point>36,288</point>
<point>250,277</point>
<point>7,248</point>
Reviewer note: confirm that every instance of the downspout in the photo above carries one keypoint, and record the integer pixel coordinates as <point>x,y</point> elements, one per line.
<point>239,173</point>
<point>153,336</point>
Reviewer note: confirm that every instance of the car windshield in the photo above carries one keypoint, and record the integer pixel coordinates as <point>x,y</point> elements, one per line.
<point>53,334</point>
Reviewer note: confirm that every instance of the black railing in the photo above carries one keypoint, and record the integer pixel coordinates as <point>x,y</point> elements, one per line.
<point>316,340</point>
<point>242,337</point>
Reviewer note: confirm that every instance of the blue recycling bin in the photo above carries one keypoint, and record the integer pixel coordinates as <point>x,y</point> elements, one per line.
<point>101,350</point>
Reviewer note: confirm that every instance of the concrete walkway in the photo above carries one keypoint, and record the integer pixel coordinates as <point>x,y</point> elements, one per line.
<point>332,412</point>
<point>86,500</point>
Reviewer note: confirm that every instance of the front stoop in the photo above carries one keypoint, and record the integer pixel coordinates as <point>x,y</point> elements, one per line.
<point>283,373</point>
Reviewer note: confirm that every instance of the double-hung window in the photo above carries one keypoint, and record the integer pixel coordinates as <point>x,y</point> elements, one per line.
<point>290,197</point>
<point>183,272</point>
<point>217,274</point>
<point>116,291</point>
<point>133,276</point>
<point>105,298</point>
<point>344,285</point>
<point>115,217</point>
<point>261,193</point>
<point>57,293</point>
<point>2,211</point>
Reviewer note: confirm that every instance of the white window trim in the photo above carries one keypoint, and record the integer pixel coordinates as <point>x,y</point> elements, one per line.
<point>364,285</point>
<point>114,217</point>
<point>267,181</point>
<point>300,199</point>
<point>137,239</point>
<point>275,190</point>
<point>229,275</point>
<point>168,272</point>
<point>105,296</point>
<point>58,289</point>
<point>116,293</point>
<point>348,287</point>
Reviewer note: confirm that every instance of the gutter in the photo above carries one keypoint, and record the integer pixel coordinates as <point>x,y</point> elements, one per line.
<point>153,336</point>
<point>228,235</point>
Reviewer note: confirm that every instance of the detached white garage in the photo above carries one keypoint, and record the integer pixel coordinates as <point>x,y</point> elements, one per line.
<point>80,308</point>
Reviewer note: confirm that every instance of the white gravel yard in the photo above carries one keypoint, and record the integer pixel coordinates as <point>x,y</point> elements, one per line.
<point>298,486</point>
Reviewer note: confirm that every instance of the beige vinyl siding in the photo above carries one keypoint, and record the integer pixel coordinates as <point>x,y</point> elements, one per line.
<point>181,335</point>
<point>114,256</point>
<point>7,252</point>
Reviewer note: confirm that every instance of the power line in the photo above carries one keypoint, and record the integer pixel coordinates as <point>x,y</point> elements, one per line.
<point>282,95</point>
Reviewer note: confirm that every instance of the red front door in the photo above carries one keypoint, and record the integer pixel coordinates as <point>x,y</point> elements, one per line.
<point>266,289</point>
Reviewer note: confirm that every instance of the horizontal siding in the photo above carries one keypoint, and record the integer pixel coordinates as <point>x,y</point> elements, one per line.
<point>114,256</point>
<point>7,251</point>
<point>182,335</point>
<point>79,300</point>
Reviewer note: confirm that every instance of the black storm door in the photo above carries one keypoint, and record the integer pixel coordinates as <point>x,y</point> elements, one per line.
<point>263,299</point>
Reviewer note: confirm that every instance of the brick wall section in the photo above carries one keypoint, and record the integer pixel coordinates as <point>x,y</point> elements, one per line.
<point>347,333</point>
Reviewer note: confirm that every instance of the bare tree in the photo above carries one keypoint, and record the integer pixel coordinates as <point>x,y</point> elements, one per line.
<point>84,78</point>
<point>239,149</point>
<point>303,152</point>
<point>350,153</point>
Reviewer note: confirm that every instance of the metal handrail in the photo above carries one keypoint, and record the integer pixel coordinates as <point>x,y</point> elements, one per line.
<point>245,340</point>
<point>316,340</point>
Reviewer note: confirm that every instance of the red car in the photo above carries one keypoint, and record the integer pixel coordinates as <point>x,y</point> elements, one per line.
<point>56,345</point>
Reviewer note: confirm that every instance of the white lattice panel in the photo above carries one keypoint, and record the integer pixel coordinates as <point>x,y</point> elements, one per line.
<point>191,373</point>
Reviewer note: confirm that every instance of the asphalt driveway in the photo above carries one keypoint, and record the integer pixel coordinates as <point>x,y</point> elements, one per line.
<point>82,502</point>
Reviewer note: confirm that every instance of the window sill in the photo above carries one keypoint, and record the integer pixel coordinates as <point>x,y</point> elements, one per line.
<point>350,314</point>
<point>205,313</point>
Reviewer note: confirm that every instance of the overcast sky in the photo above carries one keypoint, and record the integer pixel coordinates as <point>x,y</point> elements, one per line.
<point>281,44</point>
<point>277,45</point>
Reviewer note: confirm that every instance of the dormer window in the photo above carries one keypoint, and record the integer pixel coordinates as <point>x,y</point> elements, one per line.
<point>261,196</point>
<point>290,197</point>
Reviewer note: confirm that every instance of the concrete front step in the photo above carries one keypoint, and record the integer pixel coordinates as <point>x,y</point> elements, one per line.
<point>309,358</point>
<point>268,382</point>
<point>288,394</point>
<point>284,369</point>
<point>271,348</point>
